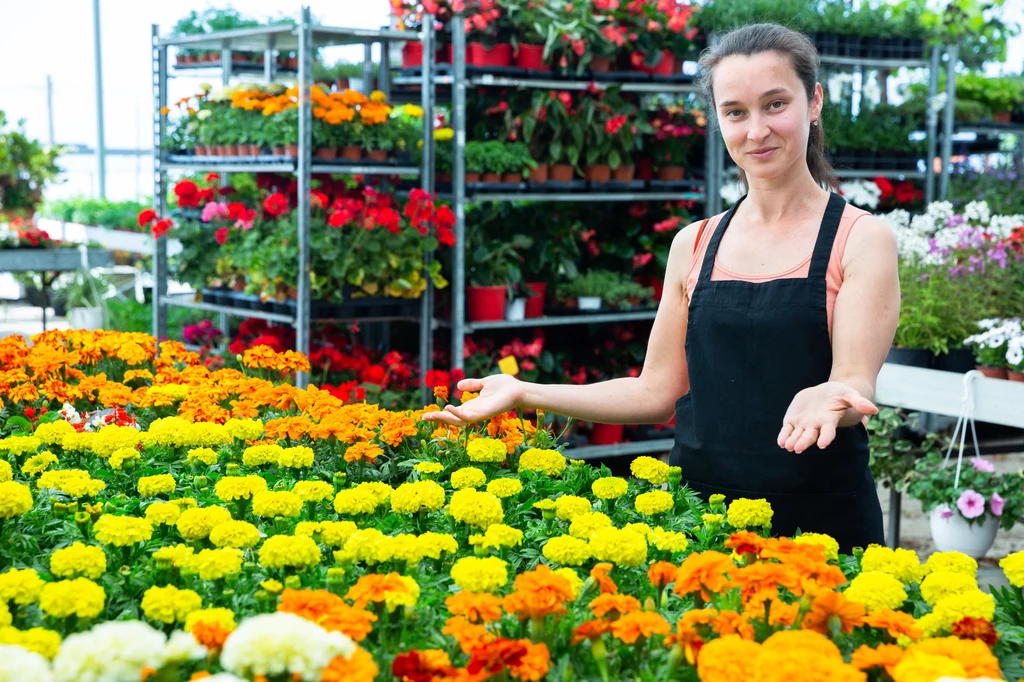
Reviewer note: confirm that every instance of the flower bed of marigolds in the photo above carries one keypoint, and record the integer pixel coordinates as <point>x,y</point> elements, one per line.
<point>162,521</point>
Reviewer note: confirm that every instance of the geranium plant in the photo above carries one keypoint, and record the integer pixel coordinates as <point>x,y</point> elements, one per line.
<point>981,493</point>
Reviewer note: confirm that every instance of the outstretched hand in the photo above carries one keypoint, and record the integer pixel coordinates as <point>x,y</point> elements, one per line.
<point>815,413</point>
<point>498,394</point>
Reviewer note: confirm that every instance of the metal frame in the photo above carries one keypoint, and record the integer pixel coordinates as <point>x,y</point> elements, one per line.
<point>304,39</point>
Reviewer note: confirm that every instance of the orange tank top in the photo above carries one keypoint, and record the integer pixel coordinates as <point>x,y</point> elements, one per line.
<point>834,276</point>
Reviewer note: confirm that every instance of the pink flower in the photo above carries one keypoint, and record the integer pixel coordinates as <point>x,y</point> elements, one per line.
<point>980,464</point>
<point>214,211</point>
<point>946,513</point>
<point>996,504</point>
<point>971,504</point>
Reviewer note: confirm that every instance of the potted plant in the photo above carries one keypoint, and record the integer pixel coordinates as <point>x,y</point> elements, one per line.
<point>533,33</point>
<point>379,140</point>
<point>994,347</point>
<point>538,132</point>
<point>495,161</point>
<point>519,294</point>
<point>488,40</point>
<point>965,515</point>
<point>494,271</point>
<point>589,288</point>
<point>475,156</point>
<point>896,446</point>
<point>83,294</point>
<point>348,137</point>
<point>626,293</point>
<point>322,136</point>
<point>443,153</point>
<point>518,162</point>
<point>663,37</point>
<point>676,128</point>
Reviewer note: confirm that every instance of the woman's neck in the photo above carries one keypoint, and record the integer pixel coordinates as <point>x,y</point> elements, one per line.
<point>772,203</point>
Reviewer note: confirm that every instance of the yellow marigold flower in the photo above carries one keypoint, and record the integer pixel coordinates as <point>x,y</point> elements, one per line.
<point>54,432</point>
<point>952,609</point>
<point>114,437</point>
<point>586,523</point>
<point>355,501</point>
<point>544,505</point>
<point>162,484</point>
<point>505,487</point>
<point>271,503</point>
<point>876,591</point>
<point>951,562</point>
<point>336,533</point>
<point>231,488</point>
<point>169,604</point>
<point>609,487</point>
<point>79,561</point>
<point>668,540</point>
<point>122,455</point>
<point>827,542</point>
<point>380,491</point>
<point>244,429</point>
<point>716,499</point>
<point>272,586</point>
<point>410,498</point>
<point>313,491</point>
<point>184,503</point>
<point>486,450</point>
<point>5,616</point>
<point>499,535</point>
<point>642,528</point>
<point>433,544</point>
<point>941,584</point>
<point>413,110</point>
<point>444,134</point>
<point>212,616</point>
<point>20,585</point>
<point>475,574</point>
<point>289,551</point>
<point>649,469</point>
<point>468,477</point>
<point>73,482</point>
<point>238,534</point>
<point>918,667</point>
<point>122,531</point>
<point>744,513</point>
<point>214,564</point>
<point>196,524</point>
<point>366,544</point>
<point>477,509</point>
<point>654,502</point>
<point>550,462</point>
<point>78,442</point>
<point>296,457</point>
<point>1013,567</point>
<point>405,547</point>
<point>258,455</point>
<point>568,507</point>
<point>378,96</point>
<point>902,564</point>
<point>619,546</point>
<point>207,456</point>
<point>44,642</point>
<point>567,551</point>
<point>5,472</point>
<point>179,555</point>
<point>15,499</point>
<point>37,464</point>
<point>21,445</point>
<point>712,520</point>
<point>429,468</point>
<point>393,599</point>
<point>575,581</point>
<point>79,597</point>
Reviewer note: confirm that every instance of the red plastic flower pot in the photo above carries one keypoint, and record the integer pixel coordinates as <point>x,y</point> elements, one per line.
<point>412,54</point>
<point>499,55</point>
<point>535,304</point>
<point>531,58</point>
<point>485,304</point>
<point>606,434</point>
<point>665,67</point>
<point>444,55</point>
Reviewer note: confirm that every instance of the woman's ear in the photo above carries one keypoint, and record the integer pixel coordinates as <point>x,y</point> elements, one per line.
<point>817,102</point>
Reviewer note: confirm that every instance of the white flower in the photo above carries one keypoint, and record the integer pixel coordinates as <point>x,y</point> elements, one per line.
<point>204,114</point>
<point>977,211</point>
<point>861,193</point>
<point>1015,354</point>
<point>115,651</point>
<point>181,647</point>
<point>280,643</point>
<point>22,665</point>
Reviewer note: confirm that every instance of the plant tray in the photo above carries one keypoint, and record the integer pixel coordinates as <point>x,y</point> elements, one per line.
<point>219,160</point>
<point>554,187</point>
<point>378,306</point>
<point>671,185</point>
<point>615,186</point>
<point>554,310</point>
<point>483,187</point>
<point>52,260</point>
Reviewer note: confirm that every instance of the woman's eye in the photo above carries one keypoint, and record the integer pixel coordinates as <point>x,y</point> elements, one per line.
<point>733,111</point>
<point>778,104</point>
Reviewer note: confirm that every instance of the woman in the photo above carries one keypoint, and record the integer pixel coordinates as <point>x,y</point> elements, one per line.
<point>776,317</point>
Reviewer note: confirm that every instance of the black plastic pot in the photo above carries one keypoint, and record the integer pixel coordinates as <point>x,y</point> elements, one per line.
<point>910,357</point>
<point>959,360</point>
<point>212,296</point>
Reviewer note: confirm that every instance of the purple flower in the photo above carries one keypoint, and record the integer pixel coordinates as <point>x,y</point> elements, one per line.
<point>997,504</point>
<point>946,513</point>
<point>980,464</point>
<point>971,504</point>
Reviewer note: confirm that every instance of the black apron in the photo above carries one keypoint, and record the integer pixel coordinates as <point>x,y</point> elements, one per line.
<point>750,348</point>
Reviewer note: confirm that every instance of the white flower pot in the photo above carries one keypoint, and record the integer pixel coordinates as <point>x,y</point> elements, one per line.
<point>515,310</point>
<point>589,302</point>
<point>956,535</point>
<point>86,318</point>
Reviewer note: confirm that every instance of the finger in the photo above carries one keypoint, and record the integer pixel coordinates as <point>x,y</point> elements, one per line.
<point>444,417</point>
<point>827,434</point>
<point>473,385</point>
<point>860,403</point>
<point>793,438</point>
<point>807,439</point>
<point>784,434</point>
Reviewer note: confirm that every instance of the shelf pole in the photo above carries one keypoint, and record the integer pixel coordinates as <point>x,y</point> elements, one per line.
<point>932,124</point>
<point>101,145</point>
<point>305,141</point>
<point>427,183</point>
<point>952,56</point>
<point>367,68</point>
<point>269,60</point>
<point>459,188</point>
<point>159,57</point>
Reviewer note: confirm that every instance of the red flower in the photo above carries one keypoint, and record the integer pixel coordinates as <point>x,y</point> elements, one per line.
<point>212,177</point>
<point>445,236</point>
<point>666,225</point>
<point>885,186</point>
<point>641,259</point>
<point>222,235</point>
<point>437,377</point>
<point>276,204</point>
<point>187,193</point>
<point>495,656</point>
<point>162,227</point>
<point>374,374</point>
<point>387,218</point>
<point>393,358</point>
<point>146,216</point>
<point>565,98</point>
<point>30,412</point>
<point>976,628</point>
<point>318,199</point>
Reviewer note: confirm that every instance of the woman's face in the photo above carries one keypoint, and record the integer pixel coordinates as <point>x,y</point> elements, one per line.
<point>763,113</point>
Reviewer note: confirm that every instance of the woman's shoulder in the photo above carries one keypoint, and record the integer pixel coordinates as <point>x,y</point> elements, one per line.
<point>867,235</point>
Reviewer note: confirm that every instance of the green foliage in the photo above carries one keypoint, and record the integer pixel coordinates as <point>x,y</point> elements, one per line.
<point>26,167</point>
<point>117,215</point>
<point>938,311</point>
<point>83,289</point>
<point>128,315</point>
<point>931,482</point>
<point>496,262</point>
<point>895,449</point>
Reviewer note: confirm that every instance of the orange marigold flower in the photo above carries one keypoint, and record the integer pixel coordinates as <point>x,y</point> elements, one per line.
<point>360,667</point>
<point>885,656</point>
<point>661,573</point>
<point>974,655</point>
<point>395,429</point>
<point>705,572</point>
<point>761,580</point>
<point>425,664</point>
<point>475,606</point>
<point>212,635</point>
<point>604,581</point>
<point>614,604</point>
<point>539,592</point>
<point>293,428</point>
<point>470,636</point>
<point>832,608</point>
<point>781,613</point>
<point>441,392</point>
<point>805,640</point>
<point>896,623</point>
<point>534,664</point>
<point>729,659</point>
<point>976,628</point>
<point>635,624</point>
<point>591,629</point>
<point>733,623</point>
<point>329,611</point>
<point>695,617</point>
<point>496,656</point>
<point>375,588</point>
<point>744,542</point>
<point>362,451</point>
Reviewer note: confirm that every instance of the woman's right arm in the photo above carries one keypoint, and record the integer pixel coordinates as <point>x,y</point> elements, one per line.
<point>647,399</point>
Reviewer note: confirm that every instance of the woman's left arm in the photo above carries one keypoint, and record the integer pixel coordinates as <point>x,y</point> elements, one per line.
<point>864,323</point>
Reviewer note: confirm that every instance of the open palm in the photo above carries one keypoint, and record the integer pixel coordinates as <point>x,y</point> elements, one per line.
<point>498,394</point>
<point>815,413</point>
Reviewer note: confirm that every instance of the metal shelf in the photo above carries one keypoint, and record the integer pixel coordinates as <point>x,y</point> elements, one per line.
<point>855,173</point>
<point>588,196</point>
<point>619,449</point>
<point>874,63</point>
<point>284,38</point>
<point>992,130</point>
<point>227,309</point>
<point>490,80</point>
<point>553,320</point>
<point>342,169</point>
<point>244,165</point>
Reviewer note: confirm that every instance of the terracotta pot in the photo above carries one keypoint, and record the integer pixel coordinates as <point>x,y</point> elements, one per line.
<point>491,177</point>
<point>531,58</point>
<point>993,372</point>
<point>479,55</point>
<point>239,58</point>
<point>671,173</point>
<point>241,150</point>
<point>601,64</point>
<point>598,173</point>
<point>341,83</point>
<point>624,173</point>
<point>512,177</point>
<point>1001,116</point>
<point>291,63</point>
<point>200,150</point>
<point>665,67</point>
<point>485,304</point>
<point>1014,376</point>
<point>327,153</point>
<point>540,173</point>
<point>377,155</point>
<point>562,172</point>
<point>351,153</point>
<point>535,304</point>
<point>412,54</point>
<point>225,150</point>
<point>444,177</point>
<point>255,150</point>
<point>279,151</point>
<point>606,434</point>
<point>291,149</point>
<point>472,177</point>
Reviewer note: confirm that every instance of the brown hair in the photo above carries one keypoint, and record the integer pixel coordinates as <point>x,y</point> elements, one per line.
<point>758,38</point>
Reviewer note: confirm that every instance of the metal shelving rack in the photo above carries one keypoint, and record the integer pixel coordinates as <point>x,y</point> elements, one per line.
<point>303,39</point>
